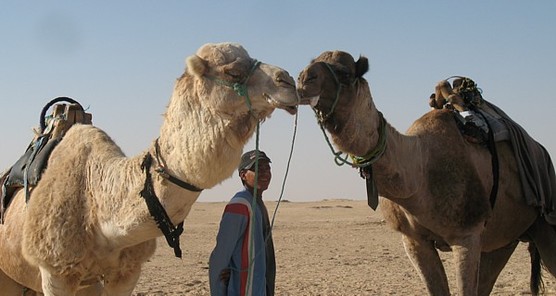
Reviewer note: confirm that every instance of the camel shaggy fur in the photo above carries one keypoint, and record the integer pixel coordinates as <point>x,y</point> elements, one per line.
<point>434,185</point>
<point>86,224</point>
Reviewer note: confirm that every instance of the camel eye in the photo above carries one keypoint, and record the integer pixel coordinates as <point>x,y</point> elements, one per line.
<point>234,75</point>
<point>344,77</point>
<point>311,78</point>
<point>280,80</point>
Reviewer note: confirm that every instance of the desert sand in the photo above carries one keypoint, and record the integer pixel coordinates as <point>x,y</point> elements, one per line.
<point>329,247</point>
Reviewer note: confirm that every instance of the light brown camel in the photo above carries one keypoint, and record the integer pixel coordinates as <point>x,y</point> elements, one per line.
<point>87,222</point>
<point>434,186</point>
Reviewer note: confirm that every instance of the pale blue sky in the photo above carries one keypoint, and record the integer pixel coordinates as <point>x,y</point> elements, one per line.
<point>121,59</point>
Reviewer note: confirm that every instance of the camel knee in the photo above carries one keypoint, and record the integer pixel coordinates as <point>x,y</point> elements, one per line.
<point>121,284</point>
<point>93,290</point>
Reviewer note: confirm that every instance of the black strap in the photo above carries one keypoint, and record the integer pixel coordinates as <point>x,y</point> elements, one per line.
<point>372,192</point>
<point>495,165</point>
<point>491,145</point>
<point>171,233</point>
<point>164,173</point>
<point>177,181</point>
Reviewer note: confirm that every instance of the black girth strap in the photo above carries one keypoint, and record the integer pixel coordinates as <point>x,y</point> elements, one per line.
<point>171,233</point>
<point>164,173</point>
<point>495,164</point>
<point>177,181</point>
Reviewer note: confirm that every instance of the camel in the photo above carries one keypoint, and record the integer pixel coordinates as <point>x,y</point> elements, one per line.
<point>434,186</point>
<point>87,223</point>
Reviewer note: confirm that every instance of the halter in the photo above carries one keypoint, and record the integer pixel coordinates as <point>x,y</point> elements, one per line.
<point>364,163</point>
<point>357,161</point>
<point>323,118</point>
<point>239,87</point>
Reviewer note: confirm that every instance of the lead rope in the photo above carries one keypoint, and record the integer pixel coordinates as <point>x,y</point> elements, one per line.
<point>285,175</point>
<point>254,202</point>
<point>365,162</point>
<point>241,90</point>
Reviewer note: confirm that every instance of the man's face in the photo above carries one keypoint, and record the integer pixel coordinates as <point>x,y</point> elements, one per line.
<point>265,175</point>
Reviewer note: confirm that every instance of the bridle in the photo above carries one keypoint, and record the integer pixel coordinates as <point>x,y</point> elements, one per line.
<point>365,162</point>
<point>239,87</point>
<point>357,161</point>
<point>321,117</point>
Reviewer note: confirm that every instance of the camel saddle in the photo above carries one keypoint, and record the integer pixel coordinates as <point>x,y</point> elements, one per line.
<point>26,172</point>
<point>536,170</point>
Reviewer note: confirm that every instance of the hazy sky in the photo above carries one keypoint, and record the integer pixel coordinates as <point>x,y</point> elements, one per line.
<point>121,58</point>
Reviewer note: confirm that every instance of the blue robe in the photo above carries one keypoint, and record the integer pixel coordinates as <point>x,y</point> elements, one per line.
<point>240,247</point>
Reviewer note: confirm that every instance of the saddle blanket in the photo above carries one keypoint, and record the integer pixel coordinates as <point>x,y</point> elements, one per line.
<point>535,166</point>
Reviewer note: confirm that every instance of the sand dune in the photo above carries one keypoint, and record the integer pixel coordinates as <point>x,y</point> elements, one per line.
<point>331,247</point>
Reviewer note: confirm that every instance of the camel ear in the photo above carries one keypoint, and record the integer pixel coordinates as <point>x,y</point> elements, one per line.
<point>361,66</point>
<point>196,65</point>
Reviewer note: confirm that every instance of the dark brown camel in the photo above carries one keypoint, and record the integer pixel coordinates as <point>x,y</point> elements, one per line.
<point>434,185</point>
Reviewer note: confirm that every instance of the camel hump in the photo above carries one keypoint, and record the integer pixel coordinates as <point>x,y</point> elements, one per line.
<point>27,170</point>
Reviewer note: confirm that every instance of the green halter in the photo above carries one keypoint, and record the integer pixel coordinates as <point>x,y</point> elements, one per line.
<point>357,161</point>
<point>239,87</point>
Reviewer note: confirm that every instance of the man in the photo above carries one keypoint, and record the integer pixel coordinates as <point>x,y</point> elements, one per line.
<point>242,262</point>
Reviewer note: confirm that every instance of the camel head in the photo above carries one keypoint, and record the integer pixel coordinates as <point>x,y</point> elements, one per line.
<point>330,83</point>
<point>238,84</point>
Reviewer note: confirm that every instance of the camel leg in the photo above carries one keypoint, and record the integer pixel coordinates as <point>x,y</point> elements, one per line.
<point>426,261</point>
<point>467,255</point>
<point>93,290</point>
<point>11,287</point>
<point>491,265</point>
<point>55,285</point>
<point>119,284</point>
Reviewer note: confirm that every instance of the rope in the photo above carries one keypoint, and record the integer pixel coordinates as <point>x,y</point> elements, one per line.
<point>285,174</point>
<point>373,155</point>
<point>241,90</point>
<point>254,211</point>
<point>254,202</point>
<point>360,161</point>
<point>468,90</point>
<point>357,161</point>
<point>322,118</point>
<point>239,87</point>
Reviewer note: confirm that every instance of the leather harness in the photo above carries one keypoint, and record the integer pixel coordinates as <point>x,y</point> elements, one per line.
<point>156,209</point>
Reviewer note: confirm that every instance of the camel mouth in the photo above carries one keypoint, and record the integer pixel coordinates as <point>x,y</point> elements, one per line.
<point>291,109</point>
<point>313,101</point>
<point>278,104</point>
<point>307,99</point>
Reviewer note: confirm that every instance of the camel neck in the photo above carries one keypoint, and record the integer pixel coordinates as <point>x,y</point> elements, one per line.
<point>198,146</point>
<point>396,169</point>
<point>360,132</point>
<point>163,171</point>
